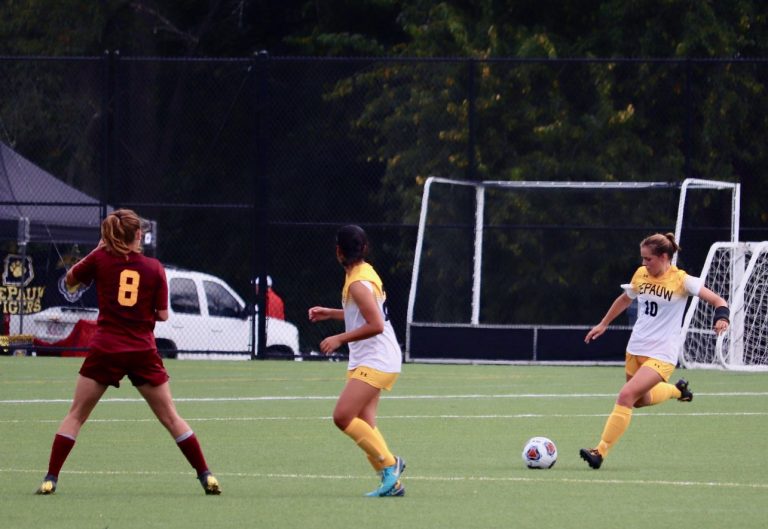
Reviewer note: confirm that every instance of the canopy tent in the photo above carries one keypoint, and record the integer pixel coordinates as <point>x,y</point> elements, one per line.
<point>38,208</point>
<point>56,211</point>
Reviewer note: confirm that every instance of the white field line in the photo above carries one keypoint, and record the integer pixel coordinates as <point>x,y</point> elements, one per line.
<point>444,479</point>
<point>395,417</point>
<point>403,417</point>
<point>385,397</point>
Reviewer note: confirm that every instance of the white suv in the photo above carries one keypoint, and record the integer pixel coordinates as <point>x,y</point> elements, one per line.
<point>204,316</point>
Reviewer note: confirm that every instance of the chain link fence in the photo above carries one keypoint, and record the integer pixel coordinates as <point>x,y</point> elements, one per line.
<point>246,167</point>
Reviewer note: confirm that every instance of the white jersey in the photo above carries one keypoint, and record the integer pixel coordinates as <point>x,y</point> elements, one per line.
<point>660,306</point>
<point>381,352</point>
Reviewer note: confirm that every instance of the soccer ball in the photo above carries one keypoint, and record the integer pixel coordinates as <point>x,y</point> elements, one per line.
<point>539,452</point>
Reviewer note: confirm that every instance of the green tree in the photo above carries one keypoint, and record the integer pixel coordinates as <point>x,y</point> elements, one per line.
<point>541,118</point>
<point>495,94</point>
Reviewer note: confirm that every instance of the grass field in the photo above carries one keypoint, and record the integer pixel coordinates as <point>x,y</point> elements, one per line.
<point>267,434</point>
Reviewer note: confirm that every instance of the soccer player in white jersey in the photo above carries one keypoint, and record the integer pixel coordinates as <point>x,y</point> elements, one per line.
<point>661,290</point>
<point>374,356</point>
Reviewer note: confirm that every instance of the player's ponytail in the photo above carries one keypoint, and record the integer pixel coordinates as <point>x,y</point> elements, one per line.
<point>119,229</point>
<point>662,244</point>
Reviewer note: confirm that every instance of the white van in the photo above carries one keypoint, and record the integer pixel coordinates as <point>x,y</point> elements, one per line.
<point>206,319</point>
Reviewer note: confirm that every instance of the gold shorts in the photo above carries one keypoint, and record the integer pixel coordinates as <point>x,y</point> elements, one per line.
<point>374,377</point>
<point>634,362</point>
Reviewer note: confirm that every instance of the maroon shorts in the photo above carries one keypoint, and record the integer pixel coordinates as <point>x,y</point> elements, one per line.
<point>142,367</point>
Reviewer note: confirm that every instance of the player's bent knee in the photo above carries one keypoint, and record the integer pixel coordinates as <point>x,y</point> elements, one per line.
<point>341,420</point>
<point>628,400</point>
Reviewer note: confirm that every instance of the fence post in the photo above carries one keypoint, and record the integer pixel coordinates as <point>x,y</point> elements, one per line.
<point>107,129</point>
<point>261,196</point>
<point>688,167</point>
<point>472,126</point>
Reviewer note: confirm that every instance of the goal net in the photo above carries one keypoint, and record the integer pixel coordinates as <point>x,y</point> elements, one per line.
<point>520,270</point>
<point>739,273</point>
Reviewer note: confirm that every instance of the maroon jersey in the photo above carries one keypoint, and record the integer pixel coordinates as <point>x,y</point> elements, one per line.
<point>129,290</point>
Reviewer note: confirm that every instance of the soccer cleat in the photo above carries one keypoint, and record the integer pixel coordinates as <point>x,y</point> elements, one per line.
<point>396,491</point>
<point>685,394</point>
<point>210,483</point>
<point>390,477</point>
<point>591,456</point>
<point>48,486</point>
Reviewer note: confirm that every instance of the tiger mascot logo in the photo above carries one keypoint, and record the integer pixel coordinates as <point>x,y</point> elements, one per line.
<point>18,270</point>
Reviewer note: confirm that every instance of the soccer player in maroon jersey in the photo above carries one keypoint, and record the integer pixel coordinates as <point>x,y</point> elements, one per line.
<point>132,294</point>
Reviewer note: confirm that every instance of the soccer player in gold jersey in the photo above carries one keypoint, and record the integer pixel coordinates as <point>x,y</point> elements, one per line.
<point>374,356</point>
<point>661,290</point>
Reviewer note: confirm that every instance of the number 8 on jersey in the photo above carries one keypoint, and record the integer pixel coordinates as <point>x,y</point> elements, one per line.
<point>128,293</point>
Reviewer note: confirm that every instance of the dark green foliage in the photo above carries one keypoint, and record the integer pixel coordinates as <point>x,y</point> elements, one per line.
<point>354,141</point>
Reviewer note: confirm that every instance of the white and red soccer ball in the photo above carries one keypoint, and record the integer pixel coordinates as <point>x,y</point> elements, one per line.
<point>539,452</point>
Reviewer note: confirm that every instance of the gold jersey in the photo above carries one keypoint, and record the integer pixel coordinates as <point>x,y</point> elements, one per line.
<point>661,304</point>
<point>381,352</point>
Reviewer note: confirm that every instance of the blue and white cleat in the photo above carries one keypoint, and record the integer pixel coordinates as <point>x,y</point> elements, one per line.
<point>396,491</point>
<point>390,479</point>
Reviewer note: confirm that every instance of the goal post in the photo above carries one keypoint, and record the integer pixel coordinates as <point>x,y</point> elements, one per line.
<point>738,271</point>
<point>697,183</point>
<point>471,232</point>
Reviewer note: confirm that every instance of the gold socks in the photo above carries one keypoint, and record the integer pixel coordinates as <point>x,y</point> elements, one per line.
<point>372,443</point>
<point>663,391</point>
<point>615,426</point>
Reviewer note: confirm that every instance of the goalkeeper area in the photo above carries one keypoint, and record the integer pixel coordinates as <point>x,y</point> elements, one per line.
<point>267,433</point>
<point>519,271</point>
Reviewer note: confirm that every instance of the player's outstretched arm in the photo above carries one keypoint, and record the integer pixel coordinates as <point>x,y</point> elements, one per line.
<point>619,305</point>
<point>324,313</point>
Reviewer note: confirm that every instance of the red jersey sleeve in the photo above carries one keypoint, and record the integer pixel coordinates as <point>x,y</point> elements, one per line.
<point>161,298</point>
<point>85,269</point>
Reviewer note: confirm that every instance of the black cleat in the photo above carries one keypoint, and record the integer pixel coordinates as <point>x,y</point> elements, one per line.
<point>591,456</point>
<point>210,483</point>
<point>48,486</point>
<point>685,394</point>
